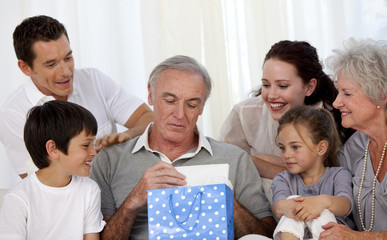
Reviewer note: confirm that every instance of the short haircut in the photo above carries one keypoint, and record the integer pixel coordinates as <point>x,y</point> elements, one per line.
<point>363,62</point>
<point>183,63</point>
<point>55,120</point>
<point>33,29</point>
<point>319,124</point>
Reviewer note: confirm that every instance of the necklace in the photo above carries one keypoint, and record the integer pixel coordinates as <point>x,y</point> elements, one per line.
<point>373,188</point>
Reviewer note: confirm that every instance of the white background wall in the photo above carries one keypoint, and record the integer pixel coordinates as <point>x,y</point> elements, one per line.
<point>127,38</point>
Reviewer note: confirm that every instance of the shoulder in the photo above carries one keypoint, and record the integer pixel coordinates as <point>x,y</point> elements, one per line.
<point>85,75</point>
<point>17,99</point>
<point>337,172</point>
<point>85,183</point>
<point>353,151</point>
<point>250,103</point>
<point>284,176</point>
<point>225,148</point>
<point>115,153</point>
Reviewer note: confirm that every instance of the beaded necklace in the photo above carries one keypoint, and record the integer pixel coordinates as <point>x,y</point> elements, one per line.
<point>373,188</point>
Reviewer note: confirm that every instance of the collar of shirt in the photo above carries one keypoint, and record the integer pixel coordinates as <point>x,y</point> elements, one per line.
<point>143,142</point>
<point>36,97</point>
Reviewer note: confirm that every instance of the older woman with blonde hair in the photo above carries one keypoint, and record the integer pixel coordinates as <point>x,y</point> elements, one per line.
<point>361,72</point>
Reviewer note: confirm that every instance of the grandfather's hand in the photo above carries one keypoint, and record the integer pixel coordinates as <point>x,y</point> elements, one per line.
<point>111,139</point>
<point>161,175</point>
<point>334,231</point>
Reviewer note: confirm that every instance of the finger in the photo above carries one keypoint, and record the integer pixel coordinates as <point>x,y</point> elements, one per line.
<point>328,225</point>
<point>299,199</point>
<point>163,168</point>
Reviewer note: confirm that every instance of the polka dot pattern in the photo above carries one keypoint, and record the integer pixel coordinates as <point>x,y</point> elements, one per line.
<point>199,212</point>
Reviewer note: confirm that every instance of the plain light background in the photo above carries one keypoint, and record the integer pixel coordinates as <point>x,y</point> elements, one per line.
<point>126,39</point>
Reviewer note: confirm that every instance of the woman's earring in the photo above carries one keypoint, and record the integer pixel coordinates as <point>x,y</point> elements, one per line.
<point>378,107</point>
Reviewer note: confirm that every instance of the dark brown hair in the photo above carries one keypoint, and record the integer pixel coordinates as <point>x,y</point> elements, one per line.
<point>33,29</point>
<point>304,58</point>
<point>320,125</point>
<point>55,120</point>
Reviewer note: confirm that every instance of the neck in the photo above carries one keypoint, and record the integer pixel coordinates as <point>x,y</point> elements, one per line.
<point>52,178</point>
<point>313,176</point>
<point>172,150</point>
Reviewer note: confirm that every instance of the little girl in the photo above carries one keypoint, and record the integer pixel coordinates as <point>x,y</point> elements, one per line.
<point>312,191</point>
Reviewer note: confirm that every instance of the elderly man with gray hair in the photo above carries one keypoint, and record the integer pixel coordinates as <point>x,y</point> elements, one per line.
<point>178,89</point>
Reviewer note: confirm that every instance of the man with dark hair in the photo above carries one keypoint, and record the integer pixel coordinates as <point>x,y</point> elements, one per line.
<point>43,50</point>
<point>178,89</point>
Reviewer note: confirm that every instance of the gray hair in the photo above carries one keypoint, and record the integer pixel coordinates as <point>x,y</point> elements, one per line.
<point>364,62</point>
<point>183,63</point>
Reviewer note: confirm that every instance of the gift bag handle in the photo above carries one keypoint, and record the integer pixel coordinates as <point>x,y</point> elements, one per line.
<point>189,212</point>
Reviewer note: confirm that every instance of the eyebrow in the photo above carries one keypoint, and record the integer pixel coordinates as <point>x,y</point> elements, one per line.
<point>167,94</point>
<point>48,62</point>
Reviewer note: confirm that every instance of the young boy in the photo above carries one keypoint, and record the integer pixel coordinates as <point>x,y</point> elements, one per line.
<point>58,201</point>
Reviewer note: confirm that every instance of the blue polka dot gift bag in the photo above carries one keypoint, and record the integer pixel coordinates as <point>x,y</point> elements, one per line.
<point>194,212</point>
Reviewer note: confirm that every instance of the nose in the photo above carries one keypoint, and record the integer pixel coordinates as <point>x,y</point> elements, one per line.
<point>93,152</point>
<point>337,103</point>
<point>65,69</point>
<point>179,111</point>
<point>286,154</point>
<point>272,93</point>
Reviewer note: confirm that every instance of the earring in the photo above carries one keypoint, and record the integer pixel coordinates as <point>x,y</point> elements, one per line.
<point>378,107</point>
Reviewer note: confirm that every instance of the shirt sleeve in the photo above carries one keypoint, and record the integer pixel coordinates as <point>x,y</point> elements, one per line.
<point>13,218</point>
<point>11,135</point>
<point>281,187</point>
<point>100,173</point>
<point>248,188</point>
<point>94,222</point>
<point>343,186</point>
<point>232,131</point>
<point>121,103</point>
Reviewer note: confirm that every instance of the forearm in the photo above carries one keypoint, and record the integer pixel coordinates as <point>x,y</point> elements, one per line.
<point>339,206</point>
<point>284,207</point>
<point>245,223</point>
<point>140,125</point>
<point>266,169</point>
<point>120,224</point>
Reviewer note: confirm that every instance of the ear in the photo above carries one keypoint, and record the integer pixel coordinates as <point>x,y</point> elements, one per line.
<point>322,147</point>
<point>51,149</point>
<point>150,101</point>
<point>24,67</point>
<point>311,86</point>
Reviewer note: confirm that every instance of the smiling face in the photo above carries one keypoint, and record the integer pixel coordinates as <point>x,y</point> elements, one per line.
<point>79,156</point>
<point>178,100</point>
<point>298,153</point>
<point>282,88</point>
<point>357,110</point>
<point>53,68</point>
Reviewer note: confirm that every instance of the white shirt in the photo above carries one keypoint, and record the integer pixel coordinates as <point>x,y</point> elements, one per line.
<point>32,210</point>
<point>95,91</point>
<point>251,127</point>
<point>144,142</point>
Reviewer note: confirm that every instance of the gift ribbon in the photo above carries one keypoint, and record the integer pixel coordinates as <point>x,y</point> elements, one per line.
<point>189,212</point>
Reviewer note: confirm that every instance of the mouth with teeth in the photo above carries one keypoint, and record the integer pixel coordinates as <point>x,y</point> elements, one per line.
<point>88,163</point>
<point>343,114</point>
<point>277,106</point>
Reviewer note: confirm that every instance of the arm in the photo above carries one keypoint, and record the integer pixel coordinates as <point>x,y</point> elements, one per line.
<point>310,207</point>
<point>334,231</point>
<point>245,223</point>
<point>136,125</point>
<point>284,207</point>
<point>91,236</point>
<point>161,175</point>
<point>268,165</point>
